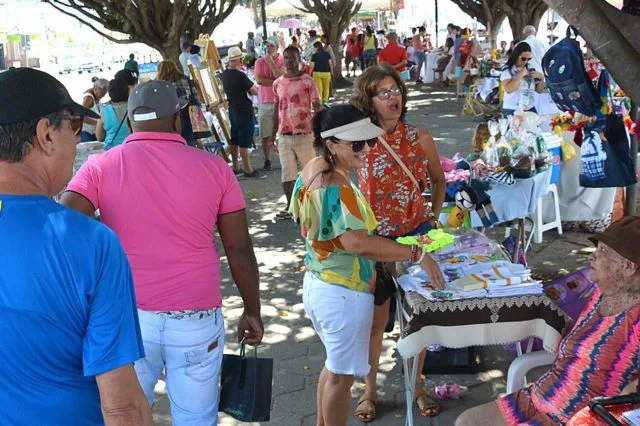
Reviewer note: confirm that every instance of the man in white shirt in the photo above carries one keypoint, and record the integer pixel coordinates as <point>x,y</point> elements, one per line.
<point>184,58</point>
<point>538,47</point>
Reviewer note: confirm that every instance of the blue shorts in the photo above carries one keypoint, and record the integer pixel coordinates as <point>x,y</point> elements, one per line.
<point>242,126</point>
<point>420,57</point>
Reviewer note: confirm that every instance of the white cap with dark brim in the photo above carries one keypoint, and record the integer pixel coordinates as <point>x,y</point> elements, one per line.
<point>360,130</point>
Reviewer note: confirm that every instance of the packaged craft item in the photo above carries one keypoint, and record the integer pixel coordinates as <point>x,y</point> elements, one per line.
<point>542,159</point>
<point>434,240</point>
<point>490,154</point>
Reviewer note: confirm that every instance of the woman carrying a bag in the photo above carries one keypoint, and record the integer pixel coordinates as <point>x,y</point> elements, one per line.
<point>337,225</point>
<point>392,181</point>
<point>111,128</point>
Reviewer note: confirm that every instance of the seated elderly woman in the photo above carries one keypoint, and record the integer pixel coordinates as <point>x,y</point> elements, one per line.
<point>599,356</point>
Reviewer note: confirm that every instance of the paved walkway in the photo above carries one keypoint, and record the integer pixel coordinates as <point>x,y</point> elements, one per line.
<point>289,338</point>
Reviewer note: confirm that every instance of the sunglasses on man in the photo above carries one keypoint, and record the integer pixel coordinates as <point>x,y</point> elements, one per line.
<point>358,146</point>
<point>75,121</point>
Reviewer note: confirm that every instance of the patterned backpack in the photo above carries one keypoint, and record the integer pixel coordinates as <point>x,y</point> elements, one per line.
<point>567,79</point>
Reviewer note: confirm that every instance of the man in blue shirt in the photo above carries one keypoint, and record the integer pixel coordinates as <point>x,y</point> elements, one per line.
<point>69,330</point>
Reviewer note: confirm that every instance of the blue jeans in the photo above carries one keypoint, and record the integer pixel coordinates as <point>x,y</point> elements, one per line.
<point>191,351</point>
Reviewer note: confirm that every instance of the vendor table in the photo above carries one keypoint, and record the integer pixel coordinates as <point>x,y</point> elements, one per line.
<point>486,86</point>
<point>473,322</point>
<point>431,60</point>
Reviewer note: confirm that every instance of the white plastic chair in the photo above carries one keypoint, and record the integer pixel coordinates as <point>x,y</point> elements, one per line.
<point>539,225</point>
<point>516,376</point>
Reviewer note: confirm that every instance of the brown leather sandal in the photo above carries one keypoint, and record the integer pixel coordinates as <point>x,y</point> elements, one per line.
<point>429,408</point>
<point>365,414</point>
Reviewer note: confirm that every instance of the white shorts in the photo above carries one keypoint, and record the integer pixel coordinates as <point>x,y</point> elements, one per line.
<point>266,114</point>
<point>342,319</point>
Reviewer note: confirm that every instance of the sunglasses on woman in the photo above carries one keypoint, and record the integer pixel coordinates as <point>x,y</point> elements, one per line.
<point>75,121</point>
<point>525,59</point>
<point>358,146</point>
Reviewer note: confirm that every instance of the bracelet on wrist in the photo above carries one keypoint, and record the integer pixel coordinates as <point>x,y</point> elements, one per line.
<point>417,254</point>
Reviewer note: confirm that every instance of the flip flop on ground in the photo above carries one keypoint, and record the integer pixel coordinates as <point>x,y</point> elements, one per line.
<point>427,406</point>
<point>366,410</point>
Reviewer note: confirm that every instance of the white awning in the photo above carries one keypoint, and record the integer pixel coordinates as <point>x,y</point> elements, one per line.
<point>374,5</point>
<point>288,7</point>
<point>284,8</point>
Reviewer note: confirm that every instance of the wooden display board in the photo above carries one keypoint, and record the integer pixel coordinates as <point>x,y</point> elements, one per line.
<point>208,81</point>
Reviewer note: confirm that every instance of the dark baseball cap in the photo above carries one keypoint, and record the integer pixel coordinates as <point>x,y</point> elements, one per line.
<point>159,96</point>
<point>26,93</point>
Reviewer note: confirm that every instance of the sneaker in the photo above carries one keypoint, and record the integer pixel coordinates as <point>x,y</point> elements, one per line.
<point>238,172</point>
<point>254,175</point>
<point>267,165</point>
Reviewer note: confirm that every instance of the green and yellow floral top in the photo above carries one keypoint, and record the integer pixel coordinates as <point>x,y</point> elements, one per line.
<point>324,214</point>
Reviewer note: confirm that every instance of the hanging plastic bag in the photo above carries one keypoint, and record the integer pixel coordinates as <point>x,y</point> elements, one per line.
<point>568,151</point>
<point>490,154</point>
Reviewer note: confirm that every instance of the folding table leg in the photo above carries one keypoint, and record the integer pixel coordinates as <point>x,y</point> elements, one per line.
<point>409,384</point>
<point>409,379</point>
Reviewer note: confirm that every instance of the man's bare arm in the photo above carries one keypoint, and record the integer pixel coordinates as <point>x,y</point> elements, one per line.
<point>121,398</point>
<point>234,234</point>
<point>77,202</point>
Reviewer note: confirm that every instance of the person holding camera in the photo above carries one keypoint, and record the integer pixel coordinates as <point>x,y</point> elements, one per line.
<point>521,83</point>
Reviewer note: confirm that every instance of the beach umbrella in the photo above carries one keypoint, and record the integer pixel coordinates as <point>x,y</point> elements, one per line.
<point>292,23</point>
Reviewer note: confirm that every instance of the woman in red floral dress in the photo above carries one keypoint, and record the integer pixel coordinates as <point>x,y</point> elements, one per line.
<point>396,200</point>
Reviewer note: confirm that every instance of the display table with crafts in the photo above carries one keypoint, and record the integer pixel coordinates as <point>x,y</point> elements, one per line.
<point>487,301</point>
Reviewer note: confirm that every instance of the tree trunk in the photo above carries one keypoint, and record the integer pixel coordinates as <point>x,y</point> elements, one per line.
<point>256,16</point>
<point>612,36</point>
<point>520,19</point>
<point>170,51</point>
<point>493,27</point>
<point>493,33</point>
<point>334,18</point>
<point>338,79</point>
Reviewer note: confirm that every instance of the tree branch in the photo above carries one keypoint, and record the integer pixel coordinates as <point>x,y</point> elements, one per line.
<point>90,25</point>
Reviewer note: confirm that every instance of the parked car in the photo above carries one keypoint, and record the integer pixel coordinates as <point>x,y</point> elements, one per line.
<point>91,63</point>
<point>67,64</point>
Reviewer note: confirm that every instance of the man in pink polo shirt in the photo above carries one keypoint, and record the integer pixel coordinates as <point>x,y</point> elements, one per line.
<point>164,200</point>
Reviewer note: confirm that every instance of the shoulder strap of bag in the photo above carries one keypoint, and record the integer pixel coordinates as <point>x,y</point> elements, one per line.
<point>399,161</point>
<point>115,135</point>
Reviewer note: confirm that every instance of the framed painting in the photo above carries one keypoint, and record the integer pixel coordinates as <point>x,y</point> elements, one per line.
<point>206,83</point>
<point>225,123</point>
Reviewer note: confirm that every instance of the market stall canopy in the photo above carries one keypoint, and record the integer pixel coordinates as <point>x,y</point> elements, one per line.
<point>288,7</point>
<point>373,5</point>
<point>284,8</point>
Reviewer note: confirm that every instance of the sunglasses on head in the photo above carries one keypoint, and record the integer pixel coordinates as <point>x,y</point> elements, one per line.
<point>358,146</point>
<point>75,121</point>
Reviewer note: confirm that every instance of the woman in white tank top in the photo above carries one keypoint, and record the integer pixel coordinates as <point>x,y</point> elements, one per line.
<point>91,99</point>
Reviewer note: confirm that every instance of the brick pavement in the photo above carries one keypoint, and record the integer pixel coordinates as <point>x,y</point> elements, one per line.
<point>289,337</point>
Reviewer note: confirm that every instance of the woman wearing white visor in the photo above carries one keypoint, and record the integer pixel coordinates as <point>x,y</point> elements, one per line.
<point>337,225</point>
